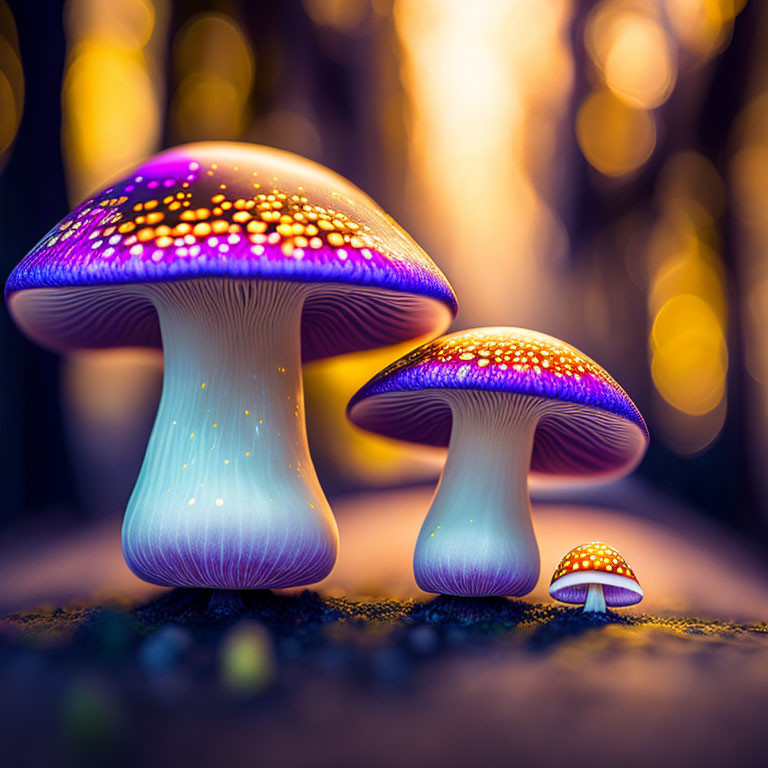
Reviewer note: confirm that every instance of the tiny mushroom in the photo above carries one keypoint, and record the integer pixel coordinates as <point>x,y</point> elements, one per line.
<point>596,575</point>
<point>506,401</point>
<point>241,261</point>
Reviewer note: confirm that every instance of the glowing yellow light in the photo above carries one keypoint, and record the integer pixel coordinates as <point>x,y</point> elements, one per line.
<point>628,45</point>
<point>9,120</point>
<point>357,455</point>
<point>214,66</point>
<point>639,67</point>
<point>686,265</point>
<point>110,93</point>
<point>615,138</point>
<point>11,80</point>
<point>689,355</point>
<point>687,303</point>
<point>487,86</point>
<point>703,26</point>
<point>343,15</point>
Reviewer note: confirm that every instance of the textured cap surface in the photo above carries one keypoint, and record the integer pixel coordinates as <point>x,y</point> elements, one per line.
<point>595,563</point>
<point>604,428</point>
<point>245,212</point>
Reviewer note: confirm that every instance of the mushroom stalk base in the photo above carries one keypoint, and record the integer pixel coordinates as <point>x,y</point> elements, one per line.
<point>227,496</point>
<point>478,537</point>
<point>595,602</point>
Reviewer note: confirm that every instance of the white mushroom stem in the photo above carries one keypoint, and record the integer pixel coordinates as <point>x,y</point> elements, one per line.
<point>478,537</point>
<point>227,496</point>
<point>595,602</point>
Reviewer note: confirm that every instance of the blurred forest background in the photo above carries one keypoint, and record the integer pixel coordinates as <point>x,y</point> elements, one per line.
<point>598,171</point>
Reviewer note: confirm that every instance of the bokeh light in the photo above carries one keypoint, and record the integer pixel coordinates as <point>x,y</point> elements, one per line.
<point>689,355</point>
<point>688,305</point>
<point>111,91</point>
<point>11,81</point>
<point>485,104</point>
<point>703,26</point>
<point>214,66</point>
<point>615,138</point>
<point>341,15</point>
<point>630,48</point>
<point>359,457</point>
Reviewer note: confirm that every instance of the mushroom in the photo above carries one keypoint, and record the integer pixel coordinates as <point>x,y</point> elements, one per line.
<point>241,260</point>
<point>505,401</point>
<point>596,575</point>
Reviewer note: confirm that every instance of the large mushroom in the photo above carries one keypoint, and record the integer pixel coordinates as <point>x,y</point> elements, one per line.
<point>506,401</point>
<point>241,261</point>
<point>595,575</point>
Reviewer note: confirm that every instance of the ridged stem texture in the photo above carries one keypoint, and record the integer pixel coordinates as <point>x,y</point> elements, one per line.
<point>227,496</point>
<point>478,537</point>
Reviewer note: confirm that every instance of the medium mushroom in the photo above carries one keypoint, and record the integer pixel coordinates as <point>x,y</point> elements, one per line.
<point>595,575</point>
<point>239,260</point>
<point>505,401</point>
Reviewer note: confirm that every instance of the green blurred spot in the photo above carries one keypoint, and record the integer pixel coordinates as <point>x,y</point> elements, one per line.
<point>89,719</point>
<point>247,659</point>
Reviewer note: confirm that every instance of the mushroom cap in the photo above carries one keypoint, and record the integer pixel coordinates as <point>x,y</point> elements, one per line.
<point>237,211</point>
<point>591,429</point>
<point>595,563</point>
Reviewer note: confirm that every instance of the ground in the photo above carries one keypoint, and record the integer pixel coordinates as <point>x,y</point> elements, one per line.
<point>137,676</point>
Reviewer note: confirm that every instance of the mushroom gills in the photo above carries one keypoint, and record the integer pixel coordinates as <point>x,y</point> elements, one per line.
<point>227,496</point>
<point>595,602</point>
<point>478,537</point>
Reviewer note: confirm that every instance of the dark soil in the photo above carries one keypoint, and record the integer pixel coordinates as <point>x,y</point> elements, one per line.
<point>209,677</point>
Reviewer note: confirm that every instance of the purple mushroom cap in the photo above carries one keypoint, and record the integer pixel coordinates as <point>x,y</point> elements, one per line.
<point>598,432</point>
<point>616,596</point>
<point>237,211</point>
